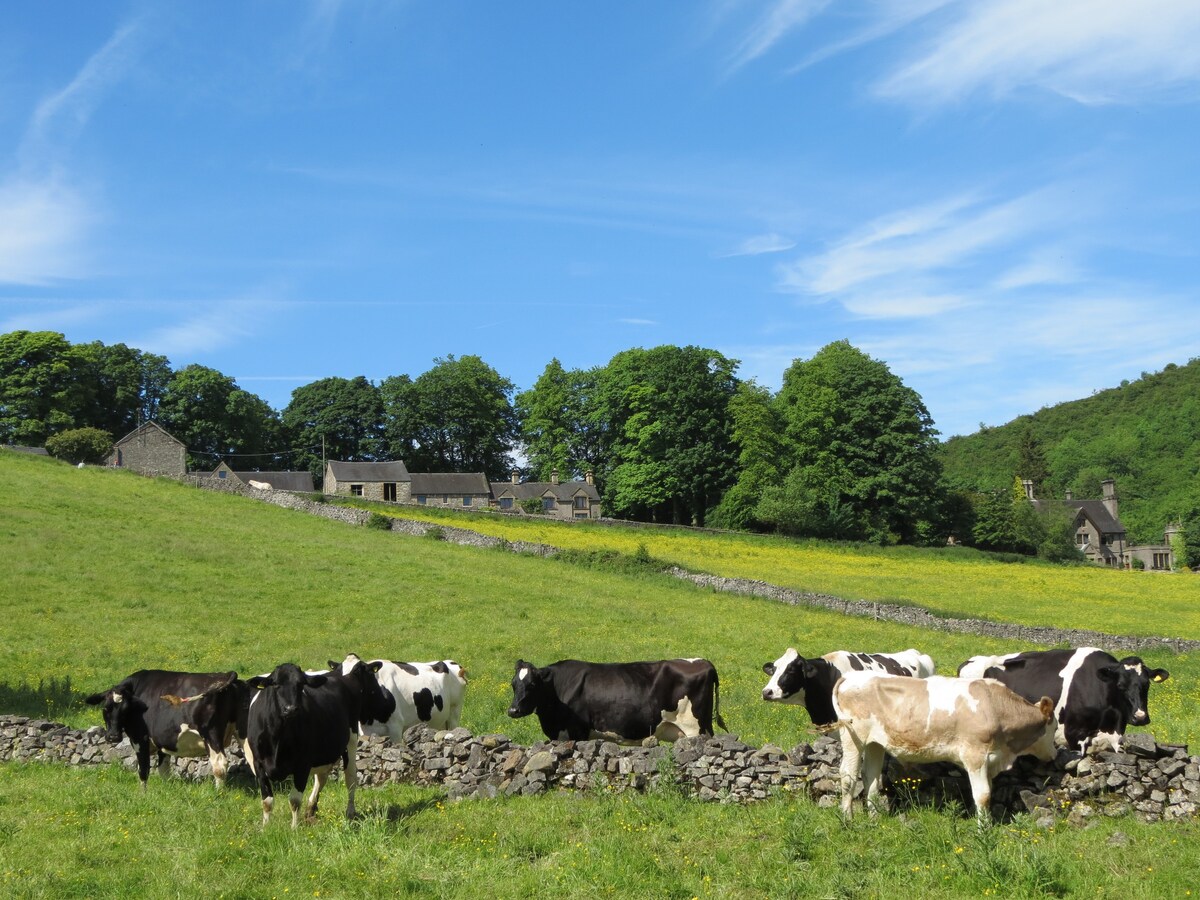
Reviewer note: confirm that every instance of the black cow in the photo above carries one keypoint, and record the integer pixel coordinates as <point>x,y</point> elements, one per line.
<point>145,706</point>
<point>667,699</point>
<point>796,680</point>
<point>300,723</point>
<point>1093,693</point>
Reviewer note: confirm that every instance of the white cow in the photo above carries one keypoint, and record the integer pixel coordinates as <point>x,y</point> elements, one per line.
<point>975,723</point>
<point>429,692</point>
<point>259,485</point>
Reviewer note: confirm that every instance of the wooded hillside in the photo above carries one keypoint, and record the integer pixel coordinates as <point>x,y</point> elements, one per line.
<point>1145,434</point>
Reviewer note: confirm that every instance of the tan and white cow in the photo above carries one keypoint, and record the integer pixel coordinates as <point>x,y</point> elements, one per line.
<point>975,723</point>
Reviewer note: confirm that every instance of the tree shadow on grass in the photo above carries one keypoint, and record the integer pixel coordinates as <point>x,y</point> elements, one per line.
<point>51,699</point>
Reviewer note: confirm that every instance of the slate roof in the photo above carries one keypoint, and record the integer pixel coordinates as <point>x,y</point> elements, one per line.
<point>564,491</point>
<point>1093,509</point>
<point>475,483</point>
<point>369,471</point>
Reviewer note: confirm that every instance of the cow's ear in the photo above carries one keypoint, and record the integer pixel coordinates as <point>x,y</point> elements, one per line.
<point>769,668</point>
<point>258,682</point>
<point>1109,673</point>
<point>810,669</point>
<point>315,680</point>
<point>376,666</point>
<point>1157,675</point>
<point>1010,664</point>
<point>94,699</point>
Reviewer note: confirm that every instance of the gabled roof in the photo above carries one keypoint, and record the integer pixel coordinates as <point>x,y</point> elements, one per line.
<point>369,471</point>
<point>1095,510</point>
<point>450,483</point>
<point>564,491</point>
<point>144,428</point>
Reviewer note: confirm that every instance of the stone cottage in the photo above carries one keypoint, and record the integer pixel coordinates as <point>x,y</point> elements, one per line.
<point>460,490</point>
<point>1101,537</point>
<point>387,481</point>
<point>560,499</point>
<point>150,450</point>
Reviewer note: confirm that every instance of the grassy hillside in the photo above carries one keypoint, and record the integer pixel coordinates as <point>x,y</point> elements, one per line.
<point>1144,433</point>
<point>107,572</point>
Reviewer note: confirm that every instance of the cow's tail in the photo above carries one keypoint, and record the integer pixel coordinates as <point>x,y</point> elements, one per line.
<point>176,700</point>
<point>717,702</point>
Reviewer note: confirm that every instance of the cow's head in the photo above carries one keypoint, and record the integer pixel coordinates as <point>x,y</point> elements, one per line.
<point>288,682</point>
<point>122,712</point>
<point>377,704</point>
<point>1044,747</point>
<point>788,674</point>
<point>1129,682</point>
<point>528,685</point>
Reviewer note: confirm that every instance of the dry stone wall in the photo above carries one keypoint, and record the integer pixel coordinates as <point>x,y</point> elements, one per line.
<point>1146,779</point>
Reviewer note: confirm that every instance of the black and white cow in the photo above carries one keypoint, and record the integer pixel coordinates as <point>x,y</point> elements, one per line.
<point>1094,694</point>
<point>300,723</point>
<point>145,707</point>
<point>429,692</point>
<point>809,682</point>
<point>628,702</point>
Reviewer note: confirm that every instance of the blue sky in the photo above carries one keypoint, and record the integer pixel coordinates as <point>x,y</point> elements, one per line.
<point>997,198</point>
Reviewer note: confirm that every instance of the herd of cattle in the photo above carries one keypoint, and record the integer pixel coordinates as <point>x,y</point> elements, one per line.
<point>293,723</point>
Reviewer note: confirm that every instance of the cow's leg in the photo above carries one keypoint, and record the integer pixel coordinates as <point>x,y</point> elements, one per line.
<point>320,776</point>
<point>351,772</point>
<point>163,764</point>
<point>299,780</point>
<point>143,762</point>
<point>872,775</point>
<point>219,764</point>
<point>981,790</point>
<point>851,766</point>
<point>268,798</point>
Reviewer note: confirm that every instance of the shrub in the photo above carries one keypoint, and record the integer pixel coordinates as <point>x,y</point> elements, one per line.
<point>532,505</point>
<point>379,522</point>
<point>435,533</point>
<point>80,445</point>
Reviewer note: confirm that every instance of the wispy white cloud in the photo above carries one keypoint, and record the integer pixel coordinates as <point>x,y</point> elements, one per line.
<point>315,32</point>
<point>60,116</point>
<point>640,322</point>
<point>779,19</point>
<point>760,244</point>
<point>42,226</point>
<point>1091,52</point>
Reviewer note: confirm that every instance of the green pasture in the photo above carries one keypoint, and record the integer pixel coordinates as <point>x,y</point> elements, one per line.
<point>106,572</point>
<point>950,581</point>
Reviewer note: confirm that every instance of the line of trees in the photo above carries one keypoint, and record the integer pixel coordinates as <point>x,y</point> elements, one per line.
<point>843,450</point>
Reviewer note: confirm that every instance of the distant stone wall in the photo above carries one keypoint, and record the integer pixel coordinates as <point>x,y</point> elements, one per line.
<point>1151,781</point>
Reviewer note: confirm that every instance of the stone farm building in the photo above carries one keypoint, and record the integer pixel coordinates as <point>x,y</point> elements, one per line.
<point>150,450</point>
<point>1100,535</point>
<point>392,482</point>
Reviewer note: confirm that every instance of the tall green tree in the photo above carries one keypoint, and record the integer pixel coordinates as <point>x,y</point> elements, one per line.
<point>40,394</point>
<point>669,452</point>
<point>1031,461</point>
<point>122,386</point>
<point>559,427</point>
<point>757,435</point>
<point>344,413</point>
<point>864,445</point>
<point>462,418</point>
<point>216,419</point>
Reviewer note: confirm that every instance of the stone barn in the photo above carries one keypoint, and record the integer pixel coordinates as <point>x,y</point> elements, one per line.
<point>150,450</point>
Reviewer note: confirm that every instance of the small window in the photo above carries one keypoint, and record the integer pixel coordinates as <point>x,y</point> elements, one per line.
<point>581,502</point>
<point>445,499</point>
<point>389,491</point>
<point>221,474</point>
<point>547,504</point>
<point>466,499</point>
<point>420,499</point>
<point>356,490</point>
<point>506,502</point>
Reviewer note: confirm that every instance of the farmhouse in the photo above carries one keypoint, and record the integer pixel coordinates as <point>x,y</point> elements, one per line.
<point>150,450</point>
<point>1100,535</point>
<point>560,499</point>
<point>296,482</point>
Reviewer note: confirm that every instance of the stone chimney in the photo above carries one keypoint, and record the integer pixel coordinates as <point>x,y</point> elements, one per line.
<point>1027,483</point>
<point>1070,495</point>
<point>516,477</point>
<point>1109,489</point>
<point>554,476</point>
<point>589,477</point>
